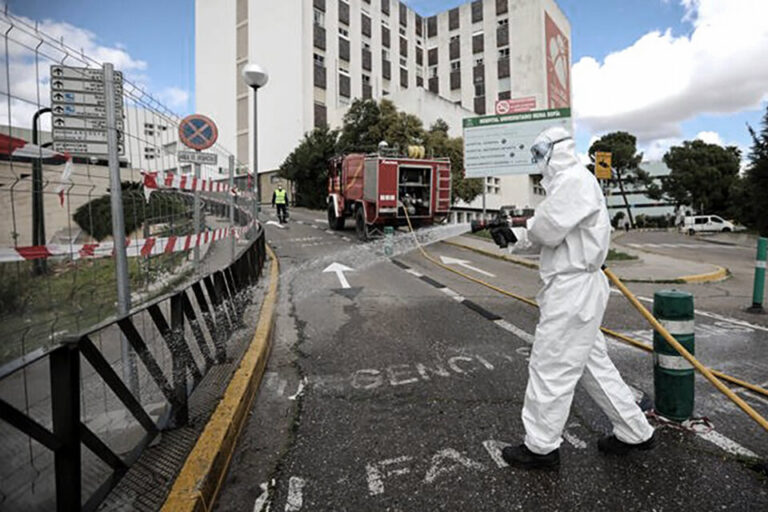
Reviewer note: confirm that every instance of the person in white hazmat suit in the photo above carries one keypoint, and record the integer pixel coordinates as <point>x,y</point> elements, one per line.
<point>573,229</point>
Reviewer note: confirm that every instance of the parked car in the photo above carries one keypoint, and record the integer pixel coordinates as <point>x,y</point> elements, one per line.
<point>703,223</point>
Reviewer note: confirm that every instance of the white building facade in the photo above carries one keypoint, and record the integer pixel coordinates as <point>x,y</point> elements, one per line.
<point>322,54</point>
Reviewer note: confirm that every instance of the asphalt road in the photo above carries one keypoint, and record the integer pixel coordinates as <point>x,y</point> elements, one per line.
<point>730,297</point>
<point>398,392</point>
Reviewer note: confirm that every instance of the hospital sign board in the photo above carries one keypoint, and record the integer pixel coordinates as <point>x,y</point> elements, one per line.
<point>501,144</point>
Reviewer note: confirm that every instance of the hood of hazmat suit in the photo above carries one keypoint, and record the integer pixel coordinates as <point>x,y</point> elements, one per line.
<point>573,229</point>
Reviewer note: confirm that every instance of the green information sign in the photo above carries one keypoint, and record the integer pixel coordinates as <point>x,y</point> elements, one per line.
<point>501,144</point>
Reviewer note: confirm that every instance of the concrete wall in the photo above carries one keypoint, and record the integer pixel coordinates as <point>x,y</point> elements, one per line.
<point>91,181</point>
<point>215,68</point>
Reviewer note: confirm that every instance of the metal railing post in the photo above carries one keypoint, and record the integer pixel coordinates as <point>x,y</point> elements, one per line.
<point>65,412</point>
<point>758,288</point>
<point>181,409</point>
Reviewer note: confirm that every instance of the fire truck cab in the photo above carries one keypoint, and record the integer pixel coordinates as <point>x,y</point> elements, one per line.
<point>374,189</point>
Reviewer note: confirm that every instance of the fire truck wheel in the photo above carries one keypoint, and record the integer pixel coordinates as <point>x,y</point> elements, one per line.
<point>360,226</point>
<point>334,222</point>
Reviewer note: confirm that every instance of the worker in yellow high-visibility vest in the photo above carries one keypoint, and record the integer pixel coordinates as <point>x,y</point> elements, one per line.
<point>280,199</point>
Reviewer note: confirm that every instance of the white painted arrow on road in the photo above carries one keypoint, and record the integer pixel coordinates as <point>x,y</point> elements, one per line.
<point>339,269</point>
<point>276,224</point>
<point>464,263</point>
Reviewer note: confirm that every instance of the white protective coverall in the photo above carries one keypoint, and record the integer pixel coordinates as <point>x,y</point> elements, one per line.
<point>573,229</point>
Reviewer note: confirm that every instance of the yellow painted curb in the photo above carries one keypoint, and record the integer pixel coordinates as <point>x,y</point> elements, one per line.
<point>718,275</point>
<point>500,256</point>
<point>197,484</point>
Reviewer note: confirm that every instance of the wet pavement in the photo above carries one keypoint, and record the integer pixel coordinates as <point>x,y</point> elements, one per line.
<point>398,392</point>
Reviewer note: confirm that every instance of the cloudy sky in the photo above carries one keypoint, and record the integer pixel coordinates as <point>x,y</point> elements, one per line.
<point>665,70</point>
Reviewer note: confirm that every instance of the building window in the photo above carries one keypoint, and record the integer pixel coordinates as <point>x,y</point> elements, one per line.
<point>319,17</point>
<point>478,61</point>
<point>503,53</point>
<point>344,32</point>
<point>455,65</point>
<point>319,60</point>
<point>404,62</point>
<point>453,19</point>
<point>402,31</point>
<point>433,72</point>
<point>385,54</point>
<point>477,11</point>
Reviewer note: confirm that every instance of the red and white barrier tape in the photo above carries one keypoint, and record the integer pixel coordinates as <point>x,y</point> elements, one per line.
<point>153,181</point>
<point>141,247</point>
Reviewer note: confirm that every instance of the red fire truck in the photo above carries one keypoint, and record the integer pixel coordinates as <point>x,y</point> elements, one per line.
<point>373,189</point>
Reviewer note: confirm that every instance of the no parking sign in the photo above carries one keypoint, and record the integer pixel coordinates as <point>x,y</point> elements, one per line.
<point>198,132</point>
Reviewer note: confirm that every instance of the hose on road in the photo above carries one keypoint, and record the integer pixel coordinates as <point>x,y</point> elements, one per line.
<point>711,375</point>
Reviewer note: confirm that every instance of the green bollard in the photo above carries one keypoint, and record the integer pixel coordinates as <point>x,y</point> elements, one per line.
<point>389,233</point>
<point>673,376</point>
<point>758,290</point>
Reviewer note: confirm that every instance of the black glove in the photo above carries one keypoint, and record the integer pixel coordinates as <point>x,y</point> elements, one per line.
<point>503,236</point>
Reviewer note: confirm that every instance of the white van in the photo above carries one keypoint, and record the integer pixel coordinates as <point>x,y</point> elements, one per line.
<point>700,223</point>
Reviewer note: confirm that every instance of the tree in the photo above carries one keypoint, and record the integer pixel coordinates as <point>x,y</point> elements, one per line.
<point>439,144</point>
<point>307,166</point>
<point>701,175</point>
<point>361,131</point>
<point>625,161</point>
<point>95,216</point>
<point>751,192</point>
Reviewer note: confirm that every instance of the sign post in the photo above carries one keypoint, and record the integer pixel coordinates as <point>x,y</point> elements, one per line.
<point>603,165</point>
<point>130,372</point>
<point>197,132</point>
<point>232,204</point>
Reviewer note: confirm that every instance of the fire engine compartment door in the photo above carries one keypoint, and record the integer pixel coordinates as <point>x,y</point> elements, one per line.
<point>414,189</point>
<point>371,180</point>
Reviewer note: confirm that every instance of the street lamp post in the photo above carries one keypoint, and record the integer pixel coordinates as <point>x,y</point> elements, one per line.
<point>255,77</point>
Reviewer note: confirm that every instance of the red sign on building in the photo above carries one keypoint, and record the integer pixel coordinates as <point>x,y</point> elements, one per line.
<point>558,65</point>
<point>515,105</point>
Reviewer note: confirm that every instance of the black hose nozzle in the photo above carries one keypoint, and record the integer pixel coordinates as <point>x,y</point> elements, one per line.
<point>499,229</point>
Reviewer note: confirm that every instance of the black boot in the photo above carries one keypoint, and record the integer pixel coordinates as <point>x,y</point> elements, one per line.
<point>523,458</point>
<point>613,446</point>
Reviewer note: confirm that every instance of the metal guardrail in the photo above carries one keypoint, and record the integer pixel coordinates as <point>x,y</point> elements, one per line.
<point>178,338</point>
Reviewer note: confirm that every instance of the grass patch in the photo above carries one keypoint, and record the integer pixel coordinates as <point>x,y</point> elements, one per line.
<point>614,255</point>
<point>71,297</point>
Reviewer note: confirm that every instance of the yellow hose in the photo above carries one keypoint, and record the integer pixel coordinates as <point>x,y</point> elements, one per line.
<point>711,375</point>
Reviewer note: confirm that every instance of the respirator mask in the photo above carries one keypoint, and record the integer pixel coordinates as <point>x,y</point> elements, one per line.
<point>542,152</point>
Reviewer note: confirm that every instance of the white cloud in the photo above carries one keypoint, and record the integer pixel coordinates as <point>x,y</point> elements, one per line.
<point>174,97</point>
<point>27,76</point>
<point>651,87</point>
<point>710,138</point>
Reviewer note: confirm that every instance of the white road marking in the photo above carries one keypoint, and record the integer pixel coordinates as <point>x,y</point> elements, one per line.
<point>575,441</point>
<point>295,494</point>
<point>377,471</point>
<point>300,389</point>
<point>494,448</point>
<point>717,316</point>
<point>725,444</point>
<point>320,221</point>
<point>413,272</point>
<point>455,296</point>
<point>464,263</point>
<point>276,224</point>
<point>456,458</point>
<point>339,269</point>
<point>523,335</point>
<point>262,502</point>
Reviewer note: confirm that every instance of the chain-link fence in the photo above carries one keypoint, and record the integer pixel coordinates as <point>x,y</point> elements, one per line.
<point>89,374</point>
<point>57,267</point>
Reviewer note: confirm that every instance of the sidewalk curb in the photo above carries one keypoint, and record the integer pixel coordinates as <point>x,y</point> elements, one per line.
<point>197,484</point>
<point>717,275</point>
